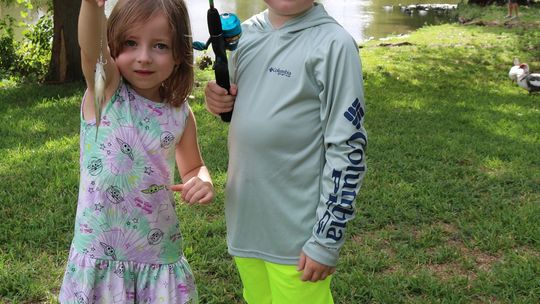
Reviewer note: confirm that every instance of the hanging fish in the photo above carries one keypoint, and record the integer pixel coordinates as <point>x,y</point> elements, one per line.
<point>99,92</point>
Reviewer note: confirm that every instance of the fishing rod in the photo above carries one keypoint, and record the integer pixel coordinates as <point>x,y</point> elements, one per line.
<point>225,31</point>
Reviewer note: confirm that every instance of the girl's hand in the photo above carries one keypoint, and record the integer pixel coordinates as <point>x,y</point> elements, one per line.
<point>194,191</point>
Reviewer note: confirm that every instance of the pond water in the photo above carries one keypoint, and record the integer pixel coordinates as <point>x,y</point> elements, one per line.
<point>364,19</point>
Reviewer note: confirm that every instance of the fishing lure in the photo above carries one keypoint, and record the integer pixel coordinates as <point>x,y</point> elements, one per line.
<point>99,76</point>
<point>99,91</point>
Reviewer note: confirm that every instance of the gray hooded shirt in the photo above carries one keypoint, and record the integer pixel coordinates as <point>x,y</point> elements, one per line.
<point>296,140</point>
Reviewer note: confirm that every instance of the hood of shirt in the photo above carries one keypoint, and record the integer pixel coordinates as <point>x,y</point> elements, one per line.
<point>313,17</point>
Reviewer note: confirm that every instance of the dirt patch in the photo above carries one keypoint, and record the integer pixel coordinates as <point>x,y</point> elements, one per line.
<point>395,44</point>
<point>447,271</point>
<point>467,262</point>
<point>507,23</point>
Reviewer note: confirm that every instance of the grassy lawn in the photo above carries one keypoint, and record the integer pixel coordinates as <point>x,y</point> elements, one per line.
<point>449,211</point>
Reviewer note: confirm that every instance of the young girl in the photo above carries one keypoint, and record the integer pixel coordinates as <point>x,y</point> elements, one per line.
<point>127,243</point>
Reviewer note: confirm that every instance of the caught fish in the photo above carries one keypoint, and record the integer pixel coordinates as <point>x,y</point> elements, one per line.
<point>99,92</point>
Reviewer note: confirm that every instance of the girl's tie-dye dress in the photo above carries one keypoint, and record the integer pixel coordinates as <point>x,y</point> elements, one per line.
<point>127,246</point>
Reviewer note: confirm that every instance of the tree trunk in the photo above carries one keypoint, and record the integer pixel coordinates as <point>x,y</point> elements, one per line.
<point>65,64</point>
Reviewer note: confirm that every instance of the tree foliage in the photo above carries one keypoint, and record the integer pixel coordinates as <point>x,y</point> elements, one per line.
<point>26,55</point>
<point>33,2</point>
<point>49,50</point>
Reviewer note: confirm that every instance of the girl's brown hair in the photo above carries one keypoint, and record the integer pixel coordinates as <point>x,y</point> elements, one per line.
<point>127,13</point>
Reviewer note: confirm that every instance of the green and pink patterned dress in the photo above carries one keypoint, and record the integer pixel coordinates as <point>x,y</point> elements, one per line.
<point>127,246</point>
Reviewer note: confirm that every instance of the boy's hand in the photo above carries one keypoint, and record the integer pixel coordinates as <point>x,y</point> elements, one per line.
<point>312,270</point>
<point>195,191</point>
<point>217,98</point>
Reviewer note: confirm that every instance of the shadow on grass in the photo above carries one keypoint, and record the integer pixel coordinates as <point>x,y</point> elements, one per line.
<point>39,145</point>
<point>451,141</point>
<point>33,114</point>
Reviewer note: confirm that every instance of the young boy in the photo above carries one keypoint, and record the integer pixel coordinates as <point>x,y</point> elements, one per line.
<point>296,150</point>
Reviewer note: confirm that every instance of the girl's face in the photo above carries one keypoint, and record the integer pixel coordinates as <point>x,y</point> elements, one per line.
<point>146,59</point>
<point>288,8</point>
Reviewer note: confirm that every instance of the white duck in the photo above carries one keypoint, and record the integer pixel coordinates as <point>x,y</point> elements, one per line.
<point>515,70</point>
<point>527,80</point>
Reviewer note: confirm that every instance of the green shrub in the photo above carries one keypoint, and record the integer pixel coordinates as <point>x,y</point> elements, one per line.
<point>7,48</point>
<point>27,59</point>
<point>34,51</point>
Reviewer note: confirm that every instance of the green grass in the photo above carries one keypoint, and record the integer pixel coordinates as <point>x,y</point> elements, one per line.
<point>449,211</point>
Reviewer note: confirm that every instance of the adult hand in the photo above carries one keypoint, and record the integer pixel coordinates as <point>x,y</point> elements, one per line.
<point>194,191</point>
<point>312,270</point>
<point>218,100</point>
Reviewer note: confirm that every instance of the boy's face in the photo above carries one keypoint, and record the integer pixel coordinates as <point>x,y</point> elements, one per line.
<point>289,8</point>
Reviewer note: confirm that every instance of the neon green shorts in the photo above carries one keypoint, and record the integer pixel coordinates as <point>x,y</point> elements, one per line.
<point>269,283</point>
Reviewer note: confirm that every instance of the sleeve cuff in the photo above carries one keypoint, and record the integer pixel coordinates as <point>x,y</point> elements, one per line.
<point>321,254</point>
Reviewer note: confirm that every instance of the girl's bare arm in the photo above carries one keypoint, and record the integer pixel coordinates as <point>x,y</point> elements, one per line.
<point>197,184</point>
<point>92,34</point>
